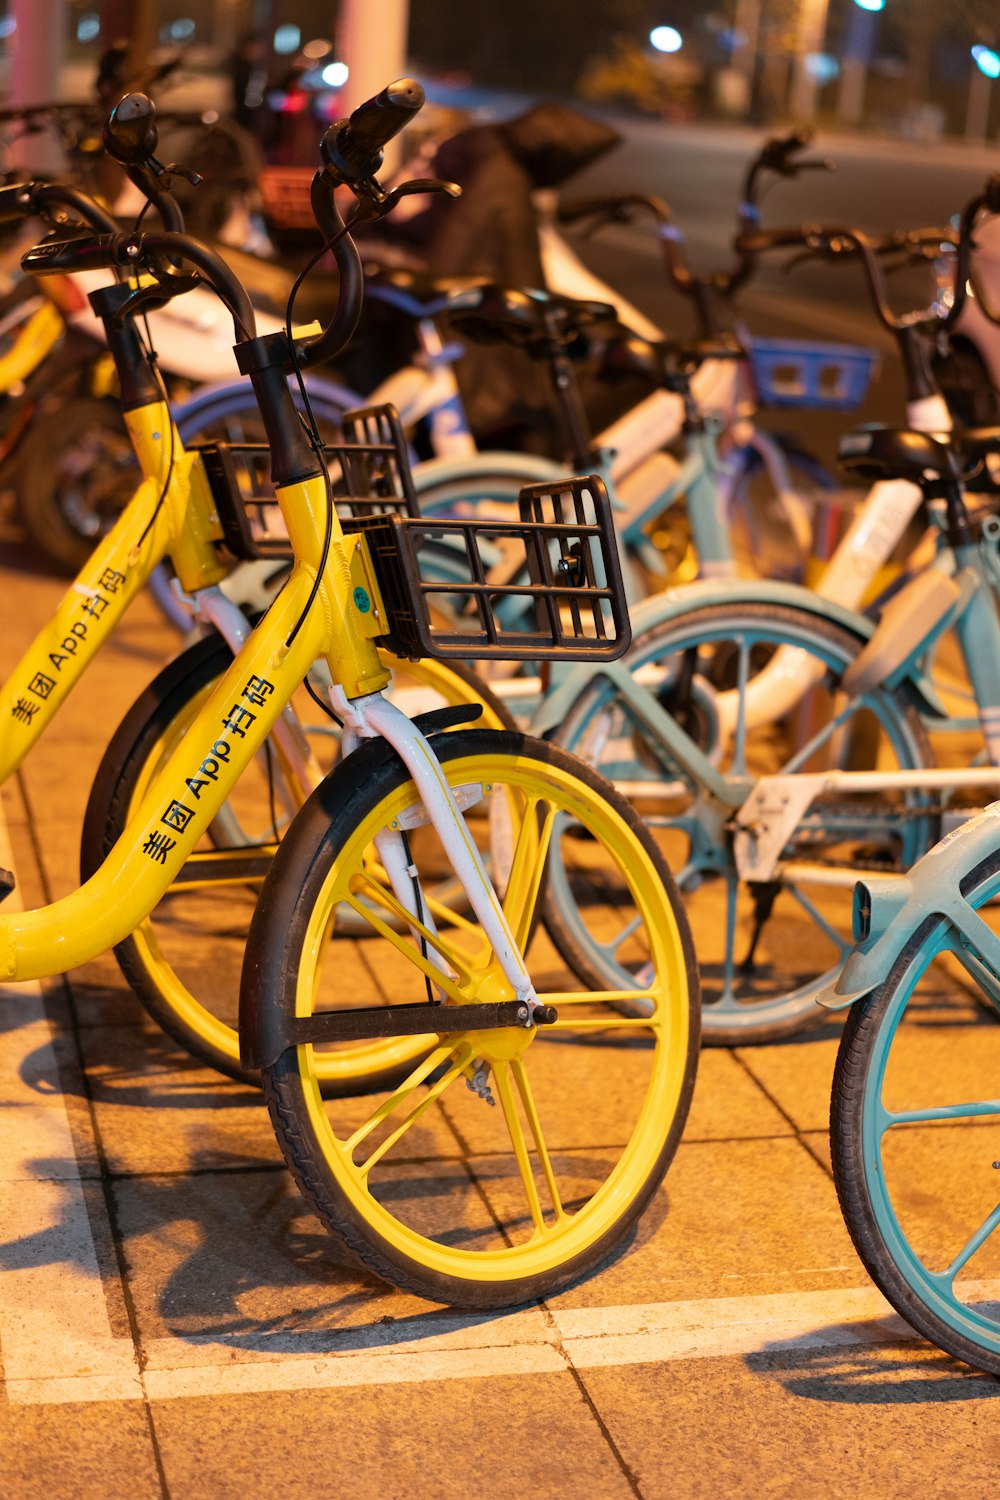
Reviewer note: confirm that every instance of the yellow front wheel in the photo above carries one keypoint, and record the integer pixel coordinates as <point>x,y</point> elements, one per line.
<point>508,1161</point>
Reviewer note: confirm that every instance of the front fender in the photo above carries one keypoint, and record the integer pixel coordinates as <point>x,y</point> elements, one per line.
<point>887,912</point>
<point>672,604</point>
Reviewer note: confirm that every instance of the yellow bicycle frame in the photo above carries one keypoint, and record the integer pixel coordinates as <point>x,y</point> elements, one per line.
<point>171,514</point>
<point>232,725</point>
<point>35,340</point>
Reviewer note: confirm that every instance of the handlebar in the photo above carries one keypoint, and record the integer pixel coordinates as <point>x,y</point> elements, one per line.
<point>838,240</point>
<point>352,149</point>
<point>352,153</point>
<point>27,200</point>
<point>145,252</point>
<point>776,155</point>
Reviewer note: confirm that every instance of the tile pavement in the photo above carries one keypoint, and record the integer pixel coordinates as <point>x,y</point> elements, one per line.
<point>174,1323</point>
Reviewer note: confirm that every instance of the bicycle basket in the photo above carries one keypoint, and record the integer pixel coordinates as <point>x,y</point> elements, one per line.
<point>285,200</point>
<point>369,471</point>
<point>790,373</point>
<point>554,594</point>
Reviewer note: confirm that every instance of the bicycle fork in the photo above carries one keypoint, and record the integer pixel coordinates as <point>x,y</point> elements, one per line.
<point>374,717</point>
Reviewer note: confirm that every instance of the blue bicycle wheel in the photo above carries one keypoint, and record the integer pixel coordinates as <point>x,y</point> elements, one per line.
<point>915,1129</point>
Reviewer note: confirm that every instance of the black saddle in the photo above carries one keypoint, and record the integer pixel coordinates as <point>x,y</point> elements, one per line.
<point>528,319</point>
<point>902,453</point>
<point>668,362</point>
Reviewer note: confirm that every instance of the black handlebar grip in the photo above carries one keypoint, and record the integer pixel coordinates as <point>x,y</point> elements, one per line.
<point>130,133</point>
<point>91,253</point>
<point>353,147</point>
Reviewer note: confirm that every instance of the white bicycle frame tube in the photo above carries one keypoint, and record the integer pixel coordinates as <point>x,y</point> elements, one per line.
<point>866,546</point>
<point>374,716</point>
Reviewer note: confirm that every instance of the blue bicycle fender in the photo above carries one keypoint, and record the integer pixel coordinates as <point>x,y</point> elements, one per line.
<point>672,604</point>
<point>522,468</point>
<point>888,911</point>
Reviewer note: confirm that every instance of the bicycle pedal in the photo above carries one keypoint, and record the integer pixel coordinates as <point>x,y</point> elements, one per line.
<point>7,883</point>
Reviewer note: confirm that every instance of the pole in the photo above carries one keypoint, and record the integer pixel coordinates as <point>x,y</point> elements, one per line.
<point>858,47</point>
<point>809,41</point>
<point>371,40</point>
<point>35,68</point>
<point>978,112</point>
<point>746,33</point>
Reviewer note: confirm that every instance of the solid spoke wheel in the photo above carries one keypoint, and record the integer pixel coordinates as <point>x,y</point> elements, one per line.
<point>764,949</point>
<point>429,1186</point>
<point>916,1139</point>
<point>184,961</point>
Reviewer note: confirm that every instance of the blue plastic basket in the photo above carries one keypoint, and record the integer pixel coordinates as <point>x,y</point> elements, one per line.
<point>818,377</point>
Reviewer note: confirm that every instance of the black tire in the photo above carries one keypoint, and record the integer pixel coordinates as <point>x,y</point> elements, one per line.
<point>150,967</point>
<point>319,846</point>
<point>76,474</point>
<point>863,1064</point>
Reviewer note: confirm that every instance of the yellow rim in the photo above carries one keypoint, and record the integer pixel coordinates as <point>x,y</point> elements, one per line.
<point>360,1061</point>
<point>556,1235</point>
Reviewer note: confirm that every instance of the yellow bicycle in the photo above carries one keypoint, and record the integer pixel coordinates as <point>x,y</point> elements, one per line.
<point>173,514</point>
<point>425,1183</point>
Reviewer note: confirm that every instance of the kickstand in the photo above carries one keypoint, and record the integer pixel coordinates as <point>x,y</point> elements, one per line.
<point>765,893</point>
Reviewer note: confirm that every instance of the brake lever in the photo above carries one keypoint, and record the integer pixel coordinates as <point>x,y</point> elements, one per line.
<point>178,169</point>
<point>374,202</point>
<point>168,284</point>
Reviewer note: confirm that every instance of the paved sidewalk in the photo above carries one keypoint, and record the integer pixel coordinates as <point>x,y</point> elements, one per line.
<point>173,1321</point>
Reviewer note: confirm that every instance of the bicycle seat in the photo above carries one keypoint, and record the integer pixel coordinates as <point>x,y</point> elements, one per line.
<point>668,362</point>
<point>535,320</point>
<point>414,293</point>
<point>899,453</point>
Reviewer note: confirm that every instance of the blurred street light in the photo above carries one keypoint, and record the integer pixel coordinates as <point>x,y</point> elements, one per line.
<point>987,61</point>
<point>666,39</point>
<point>986,67</point>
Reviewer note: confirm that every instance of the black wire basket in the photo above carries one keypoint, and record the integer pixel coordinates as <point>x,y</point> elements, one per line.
<point>369,473</point>
<point>546,587</point>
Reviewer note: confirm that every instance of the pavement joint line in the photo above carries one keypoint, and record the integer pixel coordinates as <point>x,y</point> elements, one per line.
<point>58,1346</point>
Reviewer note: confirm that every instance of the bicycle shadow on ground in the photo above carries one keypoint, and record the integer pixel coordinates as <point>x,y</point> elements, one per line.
<point>233,1257</point>
<point>892,1367</point>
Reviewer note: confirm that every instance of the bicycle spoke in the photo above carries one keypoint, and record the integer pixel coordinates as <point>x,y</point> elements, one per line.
<point>601,1023</point>
<point>739,760</point>
<point>527,869</point>
<point>446,982</point>
<point>822,737</point>
<point>974,1243</point>
<point>501,1077</point>
<point>534,1124</point>
<point>843,945</point>
<point>402,1095</point>
<point>727,998</point>
<point>985,1108</point>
